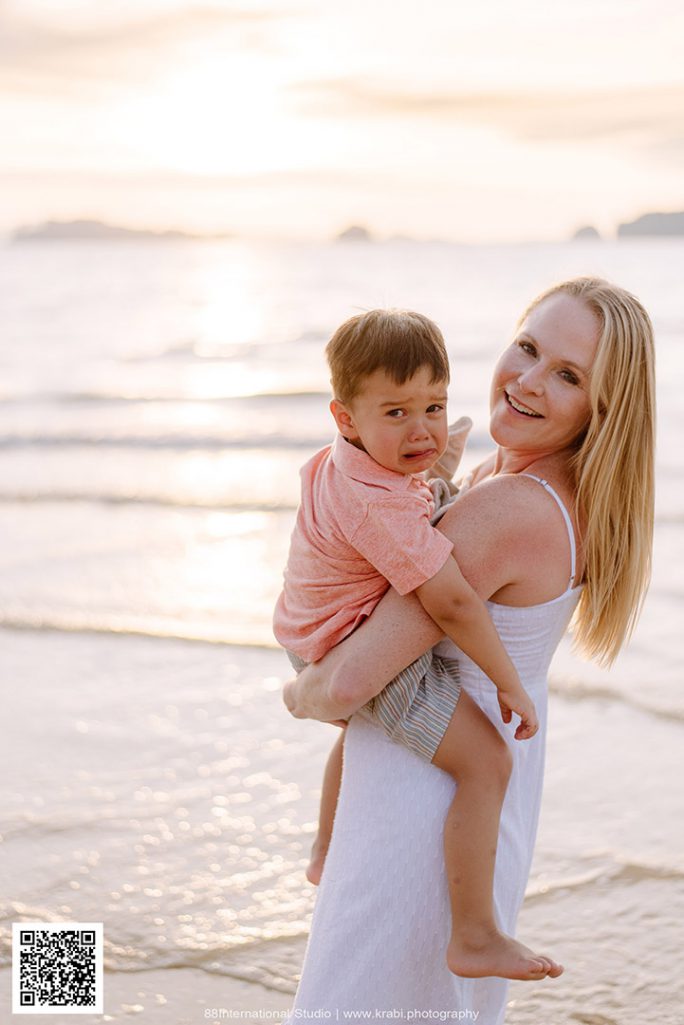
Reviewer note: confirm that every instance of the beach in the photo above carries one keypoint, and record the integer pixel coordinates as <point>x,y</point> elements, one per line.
<point>184,996</point>
<point>155,406</point>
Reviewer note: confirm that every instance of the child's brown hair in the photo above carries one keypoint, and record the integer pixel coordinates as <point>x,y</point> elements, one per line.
<point>399,342</point>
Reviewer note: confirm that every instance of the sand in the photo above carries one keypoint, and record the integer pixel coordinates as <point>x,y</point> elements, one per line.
<point>170,996</point>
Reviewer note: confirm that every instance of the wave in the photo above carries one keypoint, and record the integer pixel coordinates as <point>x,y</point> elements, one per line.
<point>38,828</point>
<point>62,625</point>
<point>278,442</point>
<point>119,398</point>
<point>209,504</point>
<point>270,441</point>
<point>44,624</point>
<point>627,872</point>
<point>573,690</point>
<point>201,351</point>
<point>182,350</point>
<point>160,501</point>
<point>272,961</point>
<point>233,960</point>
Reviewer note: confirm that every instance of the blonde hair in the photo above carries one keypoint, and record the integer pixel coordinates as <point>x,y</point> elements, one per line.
<point>399,342</point>
<point>613,467</point>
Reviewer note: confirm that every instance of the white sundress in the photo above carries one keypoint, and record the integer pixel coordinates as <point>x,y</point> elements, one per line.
<point>382,920</point>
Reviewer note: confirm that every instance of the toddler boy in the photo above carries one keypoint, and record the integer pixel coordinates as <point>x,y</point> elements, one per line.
<point>364,525</point>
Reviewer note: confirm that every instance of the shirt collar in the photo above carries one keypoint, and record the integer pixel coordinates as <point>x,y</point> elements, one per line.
<point>355,463</point>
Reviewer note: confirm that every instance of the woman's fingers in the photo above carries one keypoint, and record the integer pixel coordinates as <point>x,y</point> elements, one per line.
<point>290,699</point>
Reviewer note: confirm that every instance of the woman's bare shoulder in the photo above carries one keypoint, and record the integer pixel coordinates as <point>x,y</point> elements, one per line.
<point>507,531</point>
<point>513,497</point>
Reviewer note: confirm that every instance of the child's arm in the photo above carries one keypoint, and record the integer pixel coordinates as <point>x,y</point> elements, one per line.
<point>450,600</point>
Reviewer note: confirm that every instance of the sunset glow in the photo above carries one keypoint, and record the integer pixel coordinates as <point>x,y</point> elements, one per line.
<point>277,121</point>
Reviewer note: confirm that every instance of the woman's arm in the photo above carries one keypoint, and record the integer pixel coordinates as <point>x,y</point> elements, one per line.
<point>353,672</point>
<point>491,527</point>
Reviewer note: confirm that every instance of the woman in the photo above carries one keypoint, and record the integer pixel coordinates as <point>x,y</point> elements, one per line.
<point>558,519</point>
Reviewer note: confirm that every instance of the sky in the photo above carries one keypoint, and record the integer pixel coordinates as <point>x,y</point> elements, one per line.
<point>486,122</point>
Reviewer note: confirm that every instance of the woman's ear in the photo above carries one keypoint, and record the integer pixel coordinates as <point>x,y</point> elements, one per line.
<point>344,420</point>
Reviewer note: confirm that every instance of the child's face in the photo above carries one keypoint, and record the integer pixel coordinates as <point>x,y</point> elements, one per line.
<point>403,427</point>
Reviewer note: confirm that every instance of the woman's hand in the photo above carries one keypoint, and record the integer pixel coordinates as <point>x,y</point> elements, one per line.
<point>304,701</point>
<point>358,668</point>
<point>291,699</point>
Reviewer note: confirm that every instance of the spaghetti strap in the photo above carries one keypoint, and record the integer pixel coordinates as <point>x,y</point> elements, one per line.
<point>568,523</point>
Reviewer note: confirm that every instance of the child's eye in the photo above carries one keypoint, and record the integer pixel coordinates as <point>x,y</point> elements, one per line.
<point>395,413</point>
<point>436,407</point>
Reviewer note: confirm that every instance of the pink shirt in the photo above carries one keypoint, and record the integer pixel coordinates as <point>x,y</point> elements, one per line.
<point>360,528</point>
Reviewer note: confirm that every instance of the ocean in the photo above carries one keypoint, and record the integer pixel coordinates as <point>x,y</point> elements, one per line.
<point>156,401</point>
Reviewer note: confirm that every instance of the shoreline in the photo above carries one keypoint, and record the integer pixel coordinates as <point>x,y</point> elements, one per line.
<point>607,879</point>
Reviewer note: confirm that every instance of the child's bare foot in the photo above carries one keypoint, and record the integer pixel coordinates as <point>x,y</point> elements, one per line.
<point>314,869</point>
<point>494,953</point>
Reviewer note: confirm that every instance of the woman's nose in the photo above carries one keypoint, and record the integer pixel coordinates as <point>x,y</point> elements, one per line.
<point>532,380</point>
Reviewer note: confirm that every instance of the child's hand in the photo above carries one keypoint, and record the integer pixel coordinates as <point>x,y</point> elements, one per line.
<point>520,702</point>
<point>447,464</point>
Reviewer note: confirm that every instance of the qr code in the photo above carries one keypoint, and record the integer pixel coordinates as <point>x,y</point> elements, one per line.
<point>57,968</point>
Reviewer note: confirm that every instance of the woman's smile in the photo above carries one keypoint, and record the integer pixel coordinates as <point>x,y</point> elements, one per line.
<point>519,407</point>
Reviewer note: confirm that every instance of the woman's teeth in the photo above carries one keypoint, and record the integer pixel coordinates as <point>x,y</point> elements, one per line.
<point>520,408</point>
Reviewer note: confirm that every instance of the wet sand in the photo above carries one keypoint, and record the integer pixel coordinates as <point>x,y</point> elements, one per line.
<point>171,996</point>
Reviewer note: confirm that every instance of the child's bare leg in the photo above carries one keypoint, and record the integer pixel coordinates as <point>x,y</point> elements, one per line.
<point>332,779</point>
<point>473,751</point>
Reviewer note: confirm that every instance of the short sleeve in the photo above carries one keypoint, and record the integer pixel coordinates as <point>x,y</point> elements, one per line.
<point>397,538</point>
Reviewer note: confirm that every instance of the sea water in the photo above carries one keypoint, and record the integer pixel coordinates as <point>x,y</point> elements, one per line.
<point>156,402</point>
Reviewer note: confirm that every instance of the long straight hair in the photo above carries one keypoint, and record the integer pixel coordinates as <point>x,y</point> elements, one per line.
<point>613,468</point>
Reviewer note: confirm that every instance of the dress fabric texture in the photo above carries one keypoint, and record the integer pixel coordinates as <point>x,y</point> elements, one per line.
<point>381,923</point>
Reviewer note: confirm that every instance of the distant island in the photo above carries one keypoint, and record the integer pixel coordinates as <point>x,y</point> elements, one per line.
<point>588,232</point>
<point>85,230</point>
<point>648,225</point>
<point>354,234</point>
<point>654,224</point>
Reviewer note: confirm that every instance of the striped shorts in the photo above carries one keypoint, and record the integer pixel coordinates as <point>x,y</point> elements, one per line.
<point>415,709</point>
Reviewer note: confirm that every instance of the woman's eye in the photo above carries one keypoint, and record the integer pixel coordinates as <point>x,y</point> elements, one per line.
<point>568,376</point>
<point>527,347</point>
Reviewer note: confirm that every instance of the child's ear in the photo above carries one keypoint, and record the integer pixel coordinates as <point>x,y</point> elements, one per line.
<point>344,420</point>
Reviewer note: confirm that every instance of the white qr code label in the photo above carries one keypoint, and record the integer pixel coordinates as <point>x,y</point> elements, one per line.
<point>57,968</point>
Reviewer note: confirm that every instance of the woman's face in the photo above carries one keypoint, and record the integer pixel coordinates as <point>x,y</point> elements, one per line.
<point>539,400</point>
